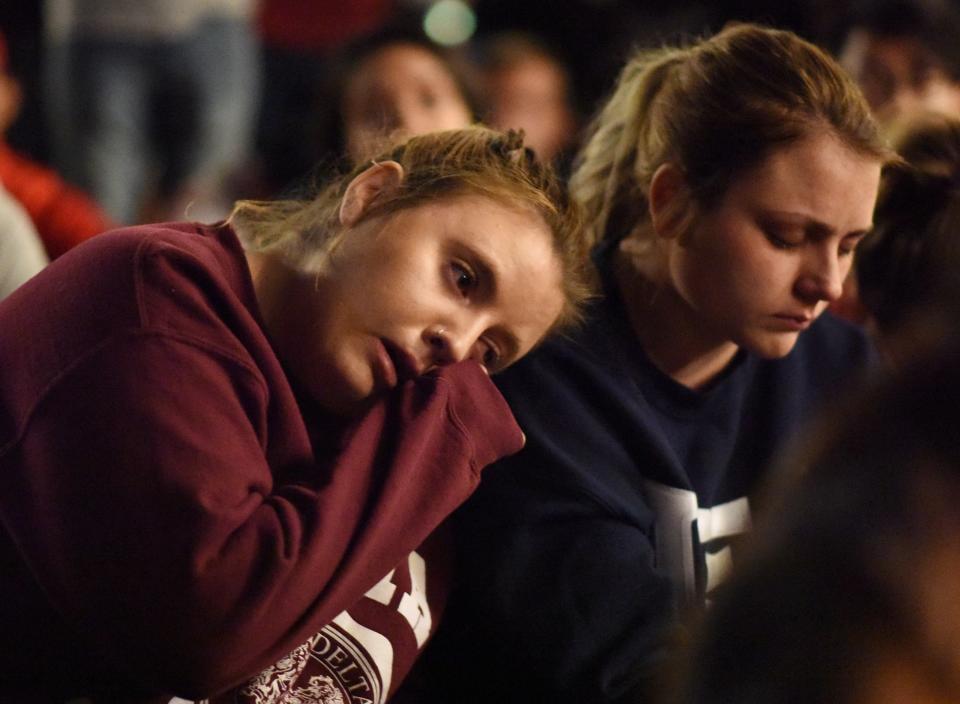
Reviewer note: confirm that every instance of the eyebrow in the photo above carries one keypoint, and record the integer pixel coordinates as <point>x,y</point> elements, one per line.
<point>811,223</point>
<point>486,270</point>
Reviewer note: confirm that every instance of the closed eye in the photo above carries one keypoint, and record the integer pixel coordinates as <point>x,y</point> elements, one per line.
<point>780,241</point>
<point>849,245</point>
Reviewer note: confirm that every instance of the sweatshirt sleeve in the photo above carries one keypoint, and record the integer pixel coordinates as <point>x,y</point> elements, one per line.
<point>155,526</point>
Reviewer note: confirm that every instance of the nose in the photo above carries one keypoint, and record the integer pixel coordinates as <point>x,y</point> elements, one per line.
<point>822,277</point>
<point>447,345</point>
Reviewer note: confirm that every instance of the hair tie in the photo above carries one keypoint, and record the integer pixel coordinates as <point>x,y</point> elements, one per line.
<point>510,147</point>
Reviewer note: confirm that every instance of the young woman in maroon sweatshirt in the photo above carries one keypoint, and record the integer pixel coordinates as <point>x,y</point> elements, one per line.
<point>212,481</point>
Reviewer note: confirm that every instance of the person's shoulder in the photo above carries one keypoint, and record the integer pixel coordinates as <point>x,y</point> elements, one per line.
<point>167,276</point>
<point>97,297</point>
<point>136,257</point>
<point>126,242</point>
<point>572,381</point>
<point>188,248</point>
<point>187,273</point>
<point>193,237</point>
<point>577,368</point>
<point>587,348</point>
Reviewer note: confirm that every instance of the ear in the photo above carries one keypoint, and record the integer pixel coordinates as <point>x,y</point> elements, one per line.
<point>380,179</point>
<point>667,197</point>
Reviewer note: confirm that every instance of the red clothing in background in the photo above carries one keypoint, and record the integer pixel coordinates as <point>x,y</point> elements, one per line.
<point>63,215</point>
<point>174,519</point>
<point>320,26</point>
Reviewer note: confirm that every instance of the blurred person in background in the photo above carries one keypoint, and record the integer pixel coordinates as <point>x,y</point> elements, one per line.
<point>151,103</point>
<point>21,251</point>
<point>394,85</point>
<point>378,91</point>
<point>905,56</point>
<point>299,38</point>
<point>910,263</point>
<point>62,215</point>
<point>527,87</point>
<point>849,594</point>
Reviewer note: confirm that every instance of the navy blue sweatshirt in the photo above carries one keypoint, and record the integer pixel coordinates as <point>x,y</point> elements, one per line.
<point>625,505</point>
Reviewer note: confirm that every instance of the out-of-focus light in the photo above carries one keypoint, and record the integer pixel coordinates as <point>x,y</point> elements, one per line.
<point>450,22</point>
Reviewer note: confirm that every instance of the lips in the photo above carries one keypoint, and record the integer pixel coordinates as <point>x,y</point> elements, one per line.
<point>797,321</point>
<point>404,363</point>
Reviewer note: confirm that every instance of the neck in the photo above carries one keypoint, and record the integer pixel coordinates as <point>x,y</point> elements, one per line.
<point>284,297</point>
<point>269,278</point>
<point>672,335</point>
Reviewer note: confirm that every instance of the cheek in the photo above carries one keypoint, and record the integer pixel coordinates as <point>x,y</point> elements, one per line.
<point>761,274</point>
<point>394,292</point>
<point>751,265</point>
<point>732,278</point>
<point>705,275</point>
<point>452,116</point>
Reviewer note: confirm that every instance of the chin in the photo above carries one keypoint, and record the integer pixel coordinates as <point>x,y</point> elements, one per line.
<point>773,346</point>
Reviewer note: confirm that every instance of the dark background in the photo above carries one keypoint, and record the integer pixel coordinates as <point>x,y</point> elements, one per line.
<point>593,37</point>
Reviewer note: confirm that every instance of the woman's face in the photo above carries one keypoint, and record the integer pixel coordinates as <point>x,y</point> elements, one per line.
<point>760,266</point>
<point>464,277</point>
<point>400,91</point>
<point>532,95</point>
<point>898,76</point>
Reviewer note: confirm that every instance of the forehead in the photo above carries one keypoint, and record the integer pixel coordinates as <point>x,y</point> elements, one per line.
<point>897,54</point>
<point>863,46</point>
<point>400,62</point>
<point>513,236</point>
<point>817,176</point>
<point>531,69</point>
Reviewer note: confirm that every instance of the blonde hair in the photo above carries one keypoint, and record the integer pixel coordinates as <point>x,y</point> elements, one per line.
<point>713,109</point>
<point>470,161</point>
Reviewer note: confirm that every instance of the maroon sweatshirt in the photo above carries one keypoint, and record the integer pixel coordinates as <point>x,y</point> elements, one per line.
<point>175,520</point>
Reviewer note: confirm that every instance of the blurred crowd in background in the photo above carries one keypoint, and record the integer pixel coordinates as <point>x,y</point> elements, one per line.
<point>168,110</point>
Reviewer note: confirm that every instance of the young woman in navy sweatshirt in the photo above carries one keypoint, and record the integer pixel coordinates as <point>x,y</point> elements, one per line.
<point>727,185</point>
